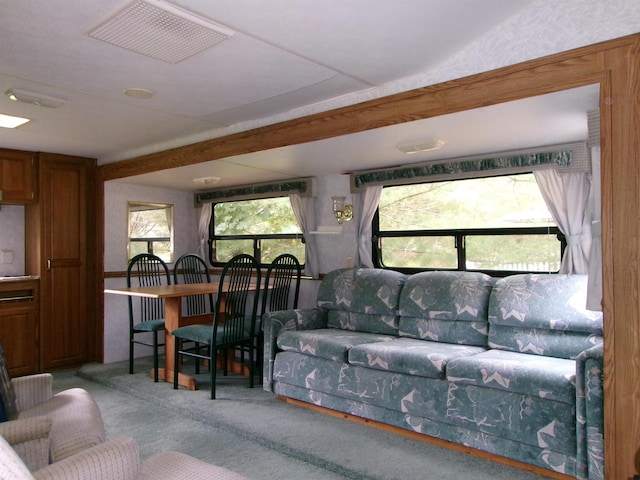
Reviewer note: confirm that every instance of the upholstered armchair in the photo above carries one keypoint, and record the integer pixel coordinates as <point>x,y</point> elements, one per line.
<point>43,427</point>
<point>118,459</point>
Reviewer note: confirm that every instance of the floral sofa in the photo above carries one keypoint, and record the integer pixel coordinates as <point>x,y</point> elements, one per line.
<point>511,366</point>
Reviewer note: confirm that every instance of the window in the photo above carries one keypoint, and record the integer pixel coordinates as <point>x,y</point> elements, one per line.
<point>264,228</point>
<point>151,230</point>
<point>500,225</point>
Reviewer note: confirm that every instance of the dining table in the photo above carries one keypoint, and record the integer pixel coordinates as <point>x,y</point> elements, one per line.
<point>173,318</point>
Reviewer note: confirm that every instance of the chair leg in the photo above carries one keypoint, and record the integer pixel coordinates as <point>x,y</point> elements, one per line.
<point>197,346</point>
<point>155,356</point>
<point>212,359</point>
<point>131,354</point>
<point>251,365</point>
<point>176,362</point>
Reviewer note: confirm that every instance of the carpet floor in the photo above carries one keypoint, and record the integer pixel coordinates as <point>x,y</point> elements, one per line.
<point>261,437</point>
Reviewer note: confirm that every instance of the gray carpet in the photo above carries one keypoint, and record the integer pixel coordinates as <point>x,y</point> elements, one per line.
<point>251,432</point>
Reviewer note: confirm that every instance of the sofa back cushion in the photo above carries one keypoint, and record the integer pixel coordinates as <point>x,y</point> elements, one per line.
<point>446,306</point>
<point>362,299</point>
<point>543,314</point>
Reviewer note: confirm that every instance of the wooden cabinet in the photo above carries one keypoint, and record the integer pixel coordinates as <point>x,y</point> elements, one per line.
<point>60,248</point>
<point>19,315</point>
<point>18,177</point>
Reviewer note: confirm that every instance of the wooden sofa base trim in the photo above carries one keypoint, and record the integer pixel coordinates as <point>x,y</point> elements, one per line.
<point>427,439</point>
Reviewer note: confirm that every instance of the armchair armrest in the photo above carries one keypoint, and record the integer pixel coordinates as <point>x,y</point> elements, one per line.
<point>29,437</point>
<point>32,390</point>
<point>275,322</point>
<point>590,413</point>
<point>117,459</point>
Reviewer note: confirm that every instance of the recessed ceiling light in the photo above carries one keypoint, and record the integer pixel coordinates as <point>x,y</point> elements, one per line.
<point>206,180</point>
<point>140,93</point>
<point>9,121</point>
<point>415,147</point>
<point>33,98</point>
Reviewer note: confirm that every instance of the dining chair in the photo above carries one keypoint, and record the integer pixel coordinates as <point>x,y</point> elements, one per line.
<point>282,274</point>
<point>191,268</point>
<point>282,278</point>
<point>234,320</point>
<point>146,270</point>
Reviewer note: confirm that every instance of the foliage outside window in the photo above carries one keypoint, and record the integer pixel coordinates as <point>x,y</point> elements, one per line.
<point>264,228</point>
<point>150,230</point>
<point>495,224</point>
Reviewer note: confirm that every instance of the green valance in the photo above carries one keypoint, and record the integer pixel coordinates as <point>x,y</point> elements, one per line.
<point>300,186</point>
<point>486,165</point>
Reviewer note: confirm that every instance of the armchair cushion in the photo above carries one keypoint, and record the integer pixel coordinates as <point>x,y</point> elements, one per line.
<point>8,407</point>
<point>29,438</point>
<point>11,466</point>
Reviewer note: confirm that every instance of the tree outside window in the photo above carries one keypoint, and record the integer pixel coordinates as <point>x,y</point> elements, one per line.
<point>150,230</point>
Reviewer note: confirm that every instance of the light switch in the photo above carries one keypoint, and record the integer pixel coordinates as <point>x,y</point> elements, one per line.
<point>7,256</point>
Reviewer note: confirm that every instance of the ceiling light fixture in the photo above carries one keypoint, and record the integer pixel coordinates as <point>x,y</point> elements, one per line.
<point>416,147</point>
<point>206,180</point>
<point>34,98</point>
<point>9,121</point>
<point>139,93</point>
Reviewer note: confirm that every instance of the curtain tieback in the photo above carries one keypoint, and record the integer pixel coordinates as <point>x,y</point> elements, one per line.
<point>573,240</point>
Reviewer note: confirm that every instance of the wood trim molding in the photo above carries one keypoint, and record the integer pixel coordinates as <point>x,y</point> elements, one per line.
<point>613,65</point>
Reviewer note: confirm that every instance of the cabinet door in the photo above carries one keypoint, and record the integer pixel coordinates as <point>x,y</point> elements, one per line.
<point>64,292</point>
<point>19,325</point>
<point>17,177</point>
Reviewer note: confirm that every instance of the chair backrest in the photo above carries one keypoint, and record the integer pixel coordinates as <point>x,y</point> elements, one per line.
<point>283,274</point>
<point>191,268</point>
<point>147,270</point>
<point>236,309</point>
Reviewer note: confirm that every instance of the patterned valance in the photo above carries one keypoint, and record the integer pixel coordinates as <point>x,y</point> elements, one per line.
<point>301,186</point>
<point>572,157</point>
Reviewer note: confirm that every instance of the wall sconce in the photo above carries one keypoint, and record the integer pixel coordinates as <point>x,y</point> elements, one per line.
<point>344,213</point>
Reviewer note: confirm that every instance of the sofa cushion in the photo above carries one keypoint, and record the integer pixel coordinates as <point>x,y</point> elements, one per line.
<point>328,343</point>
<point>545,377</point>
<point>362,299</point>
<point>446,307</point>
<point>543,314</point>
<point>410,356</point>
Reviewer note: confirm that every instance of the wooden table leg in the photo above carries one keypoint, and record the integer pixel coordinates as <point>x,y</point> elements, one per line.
<point>172,315</point>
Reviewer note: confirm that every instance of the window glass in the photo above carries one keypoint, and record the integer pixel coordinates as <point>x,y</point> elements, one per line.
<point>489,224</point>
<point>264,228</point>
<point>150,230</point>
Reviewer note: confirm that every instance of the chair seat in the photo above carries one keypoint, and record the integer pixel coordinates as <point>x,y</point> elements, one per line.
<point>201,333</point>
<point>149,326</point>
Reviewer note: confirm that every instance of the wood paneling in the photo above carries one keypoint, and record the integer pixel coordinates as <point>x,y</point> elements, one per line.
<point>614,66</point>
<point>18,177</point>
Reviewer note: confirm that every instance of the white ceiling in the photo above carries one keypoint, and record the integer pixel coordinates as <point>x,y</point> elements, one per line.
<point>284,55</point>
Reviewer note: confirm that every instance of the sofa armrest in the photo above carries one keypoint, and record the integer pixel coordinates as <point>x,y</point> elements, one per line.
<point>275,322</point>
<point>590,413</point>
<point>29,438</point>
<point>32,390</point>
<point>117,459</point>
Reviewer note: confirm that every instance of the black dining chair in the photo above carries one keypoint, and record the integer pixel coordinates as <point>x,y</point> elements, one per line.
<point>191,268</point>
<point>234,320</point>
<point>281,280</point>
<point>146,270</point>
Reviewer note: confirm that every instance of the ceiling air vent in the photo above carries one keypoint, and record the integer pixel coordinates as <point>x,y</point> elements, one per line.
<point>158,29</point>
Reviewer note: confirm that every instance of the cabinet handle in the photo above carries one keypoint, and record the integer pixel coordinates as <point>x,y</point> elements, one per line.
<point>48,264</point>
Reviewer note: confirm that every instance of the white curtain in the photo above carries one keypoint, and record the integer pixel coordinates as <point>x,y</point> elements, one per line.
<point>203,229</point>
<point>303,209</point>
<point>594,288</point>
<point>367,205</point>
<point>566,196</point>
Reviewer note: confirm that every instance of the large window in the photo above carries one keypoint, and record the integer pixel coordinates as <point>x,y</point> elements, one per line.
<point>499,225</point>
<point>264,228</point>
<point>150,230</point>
